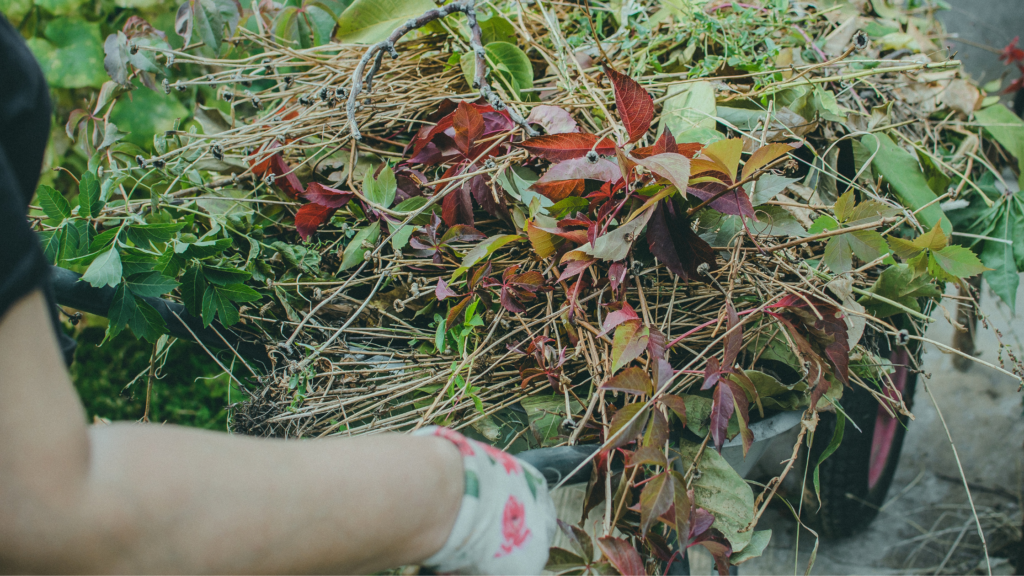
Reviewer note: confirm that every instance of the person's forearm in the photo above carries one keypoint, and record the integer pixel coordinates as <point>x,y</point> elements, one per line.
<point>149,498</point>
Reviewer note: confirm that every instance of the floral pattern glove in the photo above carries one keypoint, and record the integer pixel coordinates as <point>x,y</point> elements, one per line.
<point>506,521</point>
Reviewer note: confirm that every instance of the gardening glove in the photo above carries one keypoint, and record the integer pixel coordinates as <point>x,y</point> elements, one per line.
<point>506,521</point>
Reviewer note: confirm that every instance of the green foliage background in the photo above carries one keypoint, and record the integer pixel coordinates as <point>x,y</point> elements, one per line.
<point>66,36</point>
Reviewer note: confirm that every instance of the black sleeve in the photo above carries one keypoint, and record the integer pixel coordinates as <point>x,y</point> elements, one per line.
<point>24,129</point>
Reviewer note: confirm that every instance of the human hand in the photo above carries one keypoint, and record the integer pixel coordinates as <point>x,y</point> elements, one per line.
<point>507,519</point>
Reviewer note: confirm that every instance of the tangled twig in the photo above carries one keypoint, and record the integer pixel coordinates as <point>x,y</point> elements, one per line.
<point>376,52</point>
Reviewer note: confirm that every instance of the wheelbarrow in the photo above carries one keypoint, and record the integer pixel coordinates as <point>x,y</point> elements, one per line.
<point>854,479</point>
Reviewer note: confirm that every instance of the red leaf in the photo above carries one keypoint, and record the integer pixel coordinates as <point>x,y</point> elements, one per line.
<point>622,555</point>
<point>631,381</point>
<point>469,125</point>
<point>662,372</point>
<point>457,207</point>
<point>327,197</point>
<point>310,217</point>
<point>457,311</point>
<point>635,105</point>
<point>442,291</point>
<point>567,146</point>
<point>285,178</point>
<point>667,143</point>
<point>559,189</point>
<point>617,317</point>
<point>734,341</point>
<point>721,410</point>
<point>575,267</point>
<point>675,244</point>
<point>1011,53</point>
<point>616,273</point>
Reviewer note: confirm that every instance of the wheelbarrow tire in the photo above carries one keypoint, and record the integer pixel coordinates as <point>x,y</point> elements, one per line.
<point>851,491</point>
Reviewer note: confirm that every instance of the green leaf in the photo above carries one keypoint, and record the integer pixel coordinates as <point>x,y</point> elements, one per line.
<point>484,249</point>
<point>837,438</point>
<point>1006,259</point>
<point>89,203</point>
<point>900,284</point>
<point>53,202</point>
<point>381,190</point>
<point>147,322</point>
<point>496,29</point>
<point>56,7</point>
<point>146,114</point>
<point>105,270</point>
<point>209,306</point>
<point>50,241</point>
<point>689,110</point>
<point>122,310</point>
<point>439,341</point>
<point>152,284</point>
<point>72,54</point>
<point>146,235</point>
<point>370,21</point>
<point>208,23</point>
<point>401,237</point>
<point>355,252</point>
<point>193,286</point>
<point>900,169</point>
<point>721,491</point>
<point>545,415</point>
<point>299,257</point>
<point>1007,128</point>
<point>758,542</point>
<point>508,63</point>
<point>768,187</point>
<point>224,276</point>
<point>238,293</point>
<point>953,263</point>
<point>226,311</point>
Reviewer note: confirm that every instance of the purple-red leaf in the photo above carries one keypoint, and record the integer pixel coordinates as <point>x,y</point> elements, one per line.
<point>622,555</point>
<point>468,125</point>
<point>721,411</point>
<point>734,338</point>
<point>735,202</point>
<point>326,196</point>
<point>553,119</point>
<point>442,291</point>
<point>284,177</point>
<point>567,146</point>
<point>635,105</point>
<point>712,373</point>
<point>675,244</point>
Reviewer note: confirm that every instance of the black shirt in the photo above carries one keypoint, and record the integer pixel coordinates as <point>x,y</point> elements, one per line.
<point>24,129</point>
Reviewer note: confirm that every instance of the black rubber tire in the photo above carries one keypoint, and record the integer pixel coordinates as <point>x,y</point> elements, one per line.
<point>848,505</point>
